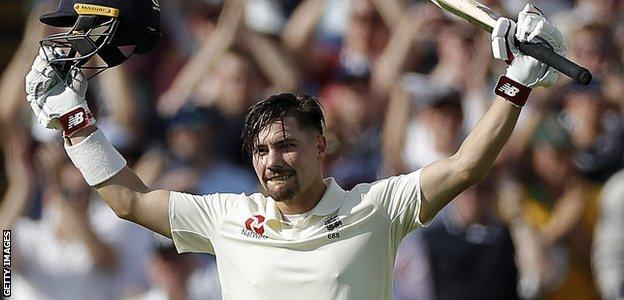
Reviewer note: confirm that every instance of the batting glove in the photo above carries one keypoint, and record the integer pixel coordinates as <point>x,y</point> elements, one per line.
<point>58,101</point>
<point>532,27</point>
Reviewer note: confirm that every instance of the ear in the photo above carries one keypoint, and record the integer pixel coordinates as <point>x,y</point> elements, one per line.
<point>321,146</point>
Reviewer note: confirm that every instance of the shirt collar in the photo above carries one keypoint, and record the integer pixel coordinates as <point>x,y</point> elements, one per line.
<point>332,199</point>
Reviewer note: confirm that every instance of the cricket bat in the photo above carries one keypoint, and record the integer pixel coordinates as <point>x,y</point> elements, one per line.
<point>484,18</point>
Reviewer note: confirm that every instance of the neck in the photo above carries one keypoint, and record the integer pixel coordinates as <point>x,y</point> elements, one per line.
<point>305,201</point>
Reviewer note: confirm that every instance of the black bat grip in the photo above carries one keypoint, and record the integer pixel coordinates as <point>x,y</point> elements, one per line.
<point>551,58</point>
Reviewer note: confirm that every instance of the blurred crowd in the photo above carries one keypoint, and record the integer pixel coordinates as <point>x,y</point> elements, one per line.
<point>401,84</point>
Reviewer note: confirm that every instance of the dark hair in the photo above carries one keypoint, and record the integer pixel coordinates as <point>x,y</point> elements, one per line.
<point>305,109</point>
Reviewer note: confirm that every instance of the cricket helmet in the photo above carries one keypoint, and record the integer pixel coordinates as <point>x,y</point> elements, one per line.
<point>101,27</point>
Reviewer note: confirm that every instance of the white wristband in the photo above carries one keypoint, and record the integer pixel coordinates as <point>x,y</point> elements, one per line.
<point>96,158</point>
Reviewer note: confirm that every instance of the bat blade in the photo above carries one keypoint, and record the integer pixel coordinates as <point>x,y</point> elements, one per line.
<point>471,11</point>
<point>484,18</point>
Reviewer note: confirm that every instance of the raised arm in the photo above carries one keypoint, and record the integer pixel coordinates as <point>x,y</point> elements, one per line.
<point>228,26</point>
<point>444,179</point>
<point>12,78</point>
<point>393,137</point>
<point>298,32</point>
<point>58,101</point>
<point>128,196</point>
<point>19,173</point>
<point>119,99</point>
<point>273,62</point>
<point>413,28</point>
<point>390,11</point>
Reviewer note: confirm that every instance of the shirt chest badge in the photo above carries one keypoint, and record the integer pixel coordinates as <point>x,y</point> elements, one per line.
<point>254,227</point>
<point>333,224</point>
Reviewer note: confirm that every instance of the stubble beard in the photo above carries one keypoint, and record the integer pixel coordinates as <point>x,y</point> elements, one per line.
<point>286,194</point>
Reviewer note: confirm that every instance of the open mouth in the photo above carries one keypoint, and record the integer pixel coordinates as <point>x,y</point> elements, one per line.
<point>283,177</point>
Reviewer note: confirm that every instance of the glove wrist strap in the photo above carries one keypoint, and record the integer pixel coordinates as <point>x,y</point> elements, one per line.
<point>514,92</point>
<point>77,118</point>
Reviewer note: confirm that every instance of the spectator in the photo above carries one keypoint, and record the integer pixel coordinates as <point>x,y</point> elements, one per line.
<point>596,131</point>
<point>74,250</point>
<point>424,123</point>
<point>196,165</point>
<point>171,276</point>
<point>470,253</point>
<point>558,206</point>
<point>61,256</point>
<point>608,247</point>
<point>354,132</point>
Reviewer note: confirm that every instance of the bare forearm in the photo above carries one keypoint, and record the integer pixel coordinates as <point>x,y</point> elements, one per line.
<point>300,28</point>
<point>121,191</point>
<point>397,117</point>
<point>393,59</point>
<point>566,215</point>
<point>443,180</point>
<point>221,40</point>
<point>20,175</point>
<point>486,140</point>
<point>390,11</point>
<point>274,64</point>
<point>131,199</point>
<point>14,203</point>
<point>119,98</point>
<point>12,83</point>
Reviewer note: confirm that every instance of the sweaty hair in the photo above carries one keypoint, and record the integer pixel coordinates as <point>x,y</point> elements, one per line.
<point>305,109</point>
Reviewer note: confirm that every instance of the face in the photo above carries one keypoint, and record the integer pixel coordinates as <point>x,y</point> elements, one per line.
<point>233,74</point>
<point>287,159</point>
<point>445,122</point>
<point>453,47</point>
<point>552,165</point>
<point>584,108</point>
<point>473,204</point>
<point>186,143</point>
<point>587,48</point>
<point>73,187</point>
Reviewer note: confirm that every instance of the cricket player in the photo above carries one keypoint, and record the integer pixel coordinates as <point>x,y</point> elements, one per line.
<point>308,238</point>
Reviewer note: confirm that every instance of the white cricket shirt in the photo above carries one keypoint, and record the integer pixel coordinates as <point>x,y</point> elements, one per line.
<point>344,249</point>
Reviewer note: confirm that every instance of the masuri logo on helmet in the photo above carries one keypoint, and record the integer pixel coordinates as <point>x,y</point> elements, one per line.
<point>89,9</point>
<point>102,28</point>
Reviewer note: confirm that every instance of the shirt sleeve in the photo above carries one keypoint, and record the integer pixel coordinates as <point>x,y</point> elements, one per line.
<point>400,197</point>
<point>195,219</point>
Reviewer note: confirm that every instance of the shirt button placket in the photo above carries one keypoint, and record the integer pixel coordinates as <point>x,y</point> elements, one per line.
<point>296,230</point>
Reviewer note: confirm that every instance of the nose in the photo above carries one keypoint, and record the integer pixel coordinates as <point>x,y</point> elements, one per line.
<point>274,159</point>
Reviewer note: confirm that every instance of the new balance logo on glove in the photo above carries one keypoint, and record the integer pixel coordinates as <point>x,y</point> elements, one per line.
<point>516,93</point>
<point>509,90</point>
<point>75,120</point>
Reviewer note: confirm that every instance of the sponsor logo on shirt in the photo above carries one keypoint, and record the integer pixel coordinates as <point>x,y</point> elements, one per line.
<point>255,223</point>
<point>332,224</point>
<point>254,227</point>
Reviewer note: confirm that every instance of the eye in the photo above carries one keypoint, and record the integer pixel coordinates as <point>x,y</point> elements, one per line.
<point>261,151</point>
<point>286,146</point>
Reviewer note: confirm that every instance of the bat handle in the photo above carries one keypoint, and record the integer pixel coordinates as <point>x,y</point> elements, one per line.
<point>551,58</point>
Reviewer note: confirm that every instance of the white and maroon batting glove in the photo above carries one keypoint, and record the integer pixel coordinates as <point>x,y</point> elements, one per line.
<point>58,101</point>
<point>524,72</point>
